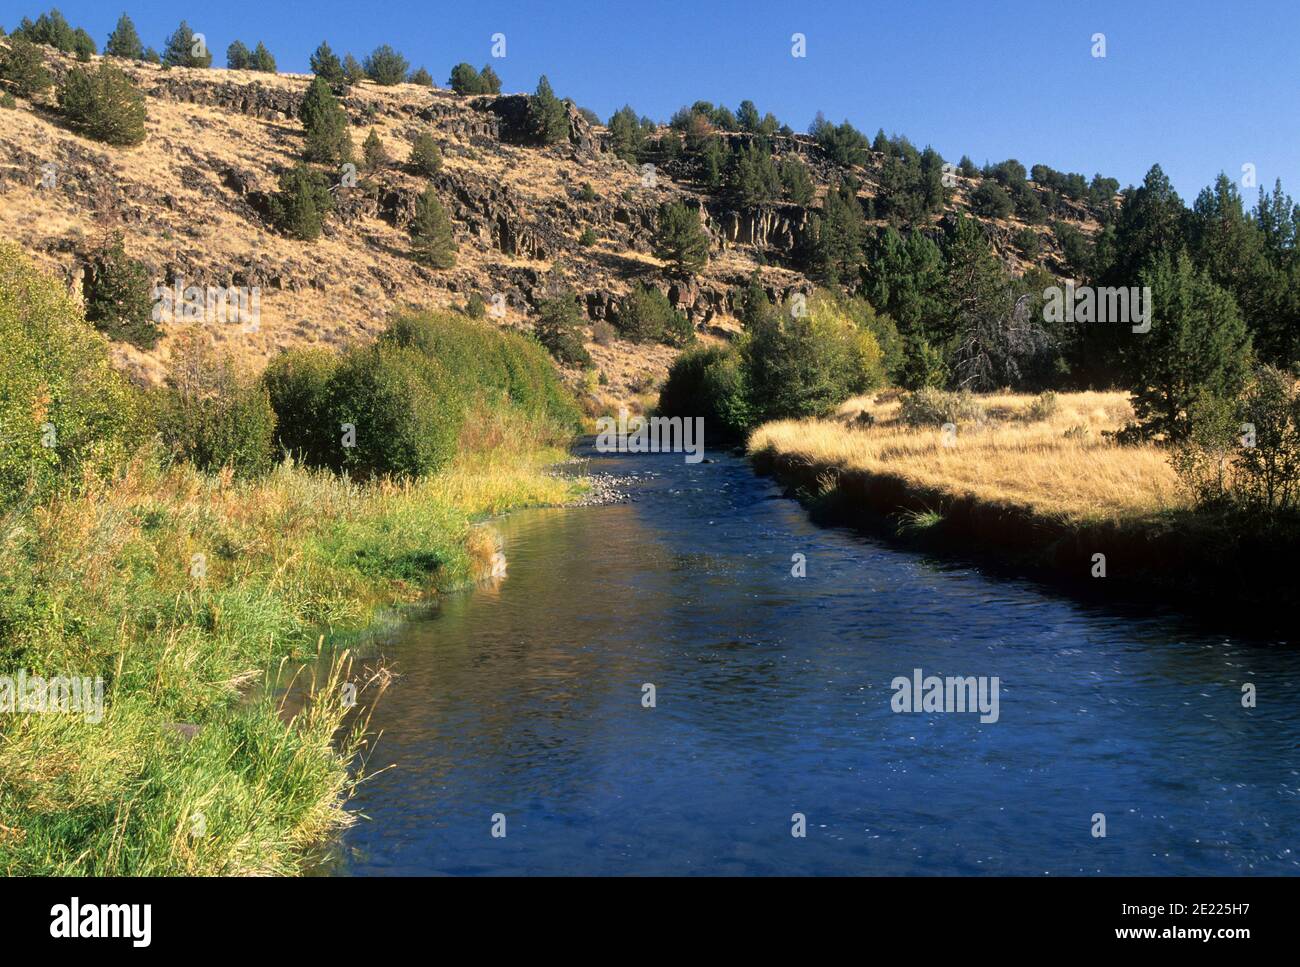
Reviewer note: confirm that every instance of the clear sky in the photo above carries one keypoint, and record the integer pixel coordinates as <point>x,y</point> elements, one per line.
<point>1198,86</point>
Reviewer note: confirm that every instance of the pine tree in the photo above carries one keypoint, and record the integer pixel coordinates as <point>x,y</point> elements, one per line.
<point>238,57</point>
<point>124,41</point>
<point>432,243</point>
<point>1197,349</point>
<point>747,117</point>
<point>547,115</point>
<point>491,82</point>
<point>183,50</point>
<point>680,238</point>
<point>795,181</point>
<point>752,176</point>
<point>837,239</point>
<point>83,45</point>
<point>104,104</point>
<point>324,63</point>
<point>326,125</point>
<point>558,328</point>
<point>625,134</point>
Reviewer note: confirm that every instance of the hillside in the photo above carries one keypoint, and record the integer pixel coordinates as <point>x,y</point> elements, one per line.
<point>191,202</point>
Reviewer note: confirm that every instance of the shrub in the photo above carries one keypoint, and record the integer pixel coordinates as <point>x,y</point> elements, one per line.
<point>300,207</point>
<point>103,104</point>
<point>118,296</point>
<point>602,333</point>
<point>7,101</point>
<point>475,308</point>
<point>432,242</point>
<point>425,158</point>
<point>586,192</point>
<point>298,384</point>
<point>62,405</point>
<point>386,66</point>
<point>559,329</point>
<point>587,238</point>
<point>680,238</point>
<point>326,125</point>
<point>646,315</point>
<point>708,383</point>
<point>935,407</point>
<point>24,68</point>
<point>325,63</point>
<point>210,416</point>
<point>1044,407</point>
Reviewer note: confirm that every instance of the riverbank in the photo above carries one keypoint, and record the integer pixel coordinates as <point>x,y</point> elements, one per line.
<point>1032,484</point>
<point>181,592</point>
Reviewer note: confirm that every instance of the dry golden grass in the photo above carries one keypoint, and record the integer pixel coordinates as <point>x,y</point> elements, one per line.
<point>1060,467</point>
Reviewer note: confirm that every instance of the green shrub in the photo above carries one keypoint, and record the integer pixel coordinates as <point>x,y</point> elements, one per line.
<point>7,101</point>
<point>587,238</point>
<point>1044,407</point>
<point>709,383</point>
<point>104,105</point>
<point>210,416</point>
<point>559,329</point>
<point>300,207</point>
<point>118,296</point>
<point>298,385</point>
<point>935,407</point>
<point>24,68</point>
<point>62,404</point>
<point>475,307</point>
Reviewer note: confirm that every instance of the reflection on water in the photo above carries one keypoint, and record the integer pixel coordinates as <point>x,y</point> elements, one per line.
<point>524,698</point>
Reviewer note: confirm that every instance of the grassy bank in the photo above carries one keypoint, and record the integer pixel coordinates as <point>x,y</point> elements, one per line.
<point>183,775</point>
<point>1031,482</point>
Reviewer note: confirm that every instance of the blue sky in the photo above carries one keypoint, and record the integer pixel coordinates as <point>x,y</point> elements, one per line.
<point>1197,86</point>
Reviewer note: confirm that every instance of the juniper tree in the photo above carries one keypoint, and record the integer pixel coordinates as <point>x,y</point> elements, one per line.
<point>124,41</point>
<point>83,45</point>
<point>103,104</point>
<point>680,239</point>
<point>558,328</point>
<point>24,67</point>
<point>465,79</point>
<point>432,242</point>
<point>373,152</point>
<point>325,63</point>
<point>261,59</point>
<point>795,181</point>
<point>386,66</point>
<point>625,134</point>
<point>547,115</point>
<point>422,77</point>
<point>836,238</point>
<point>752,176</point>
<point>353,71</point>
<point>117,295</point>
<point>238,56</point>
<point>183,50</point>
<point>326,125</point>
<point>304,199</point>
<point>425,158</point>
<point>491,82</point>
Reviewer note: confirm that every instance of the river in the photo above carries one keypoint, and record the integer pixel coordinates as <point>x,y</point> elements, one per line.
<point>520,704</point>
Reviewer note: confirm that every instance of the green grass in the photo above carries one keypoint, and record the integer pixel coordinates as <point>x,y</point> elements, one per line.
<point>99,582</point>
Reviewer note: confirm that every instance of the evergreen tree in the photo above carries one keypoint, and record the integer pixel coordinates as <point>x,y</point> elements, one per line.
<point>547,116</point>
<point>1151,223</point>
<point>752,177</point>
<point>559,329</point>
<point>1197,349</point>
<point>353,71</point>
<point>425,158</point>
<point>837,237</point>
<point>300,207</point>
<point>796,181</point>
<point>465,79</point>
<point>51,29</point>
<point>83,45</point>
<point>151,56</point>
<point>24,67</point>
<point>422,77</point>
<point>261,59</point>
<point>432,243</point>
<point>183,50</point>
<point>124,41</point>
<point>680,238</point>
<point>386,66</point>
<point>104,104</point>
<point>373,152</point>
<point>491,82</point>
<point>625,134</point>
<point>747,117</point>
<point>326,124</point>
<point>325,63</point>
<point>118,296</point>
<point>238,57</point>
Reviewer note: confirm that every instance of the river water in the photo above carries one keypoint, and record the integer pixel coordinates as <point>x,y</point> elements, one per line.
<point>523,701</point>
